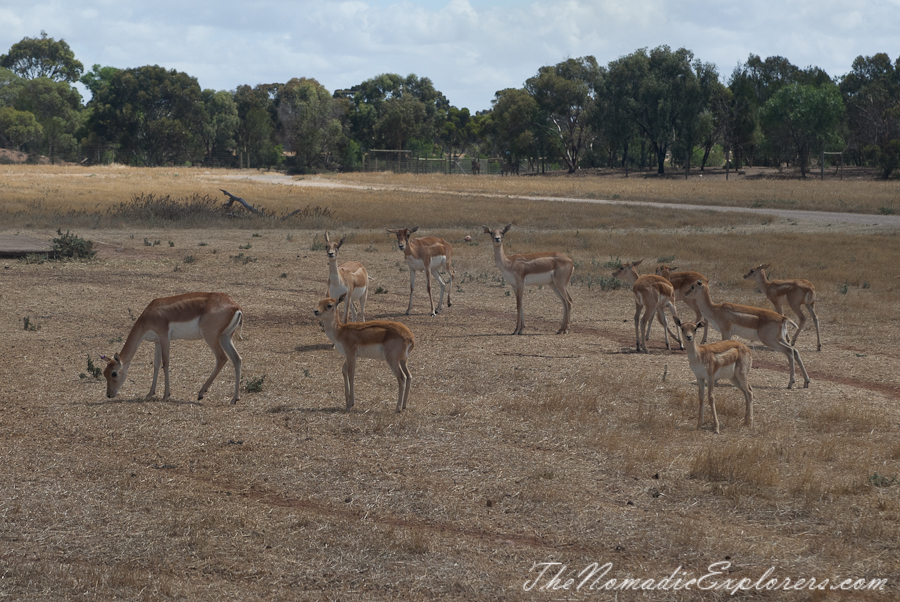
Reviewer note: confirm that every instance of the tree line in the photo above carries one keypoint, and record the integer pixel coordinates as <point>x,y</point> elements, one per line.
<point>648,110</point>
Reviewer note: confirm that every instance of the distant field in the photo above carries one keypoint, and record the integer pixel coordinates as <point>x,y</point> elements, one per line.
<point>513,450</point>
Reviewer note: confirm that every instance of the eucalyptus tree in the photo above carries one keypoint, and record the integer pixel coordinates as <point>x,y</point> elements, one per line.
<point>154,115</point>
<point>219,126</point>
<point>255,134</point>
<point>514,126</point>
<point>803,118</point>
<point>57,107</point>
<point>391,112</point>
<point>43,57</point>
<point>566,95</point>
<point>871,92</point>
<point>309,122</point>
<point>662,95</point>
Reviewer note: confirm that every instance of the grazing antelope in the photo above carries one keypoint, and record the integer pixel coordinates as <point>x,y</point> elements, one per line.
<point>213,317</point>
<point>350,277</point>
<point>682,282</point>
<point>763,325</point>
<point>377,340</point>
<point>552,268</point>
<point>797,293</point>
<point>428,255</point>
<point>652,294</point>
<point>725,359</point>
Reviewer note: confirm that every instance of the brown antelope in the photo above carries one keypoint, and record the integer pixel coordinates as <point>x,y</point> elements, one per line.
<point>428,255</point>
<point>682,282</point>
<point>376,339</point>
<point>350,277</point>
<point>725,359</point>
<point>551,268</point>
<point>213,317</point>
<point>797,293</point>
<point>754,323</point>
<point>652,294</point>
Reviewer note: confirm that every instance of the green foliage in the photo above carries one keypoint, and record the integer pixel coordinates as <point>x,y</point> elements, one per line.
<point>154,115</point>
<point>243,259</point>
<point>18,127</point>
<point>34,58</point>
<point>92,370</point>
<point>29,325</point>
<point>71,246</point>
<point>882,481</point>
<point>803,119</point>
<point>254,384</point>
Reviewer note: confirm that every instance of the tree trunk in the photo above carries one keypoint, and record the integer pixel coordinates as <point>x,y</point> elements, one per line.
<point>661,161</point>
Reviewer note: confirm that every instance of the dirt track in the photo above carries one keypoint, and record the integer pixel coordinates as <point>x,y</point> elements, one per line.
<point>514,450</point>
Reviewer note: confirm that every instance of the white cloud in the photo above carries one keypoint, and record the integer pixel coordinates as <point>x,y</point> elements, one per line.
<point>468,48</point>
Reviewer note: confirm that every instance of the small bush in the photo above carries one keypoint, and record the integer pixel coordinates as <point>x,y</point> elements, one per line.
<point>29,325</point>
<point>71,246</point>
<point>254,385</point>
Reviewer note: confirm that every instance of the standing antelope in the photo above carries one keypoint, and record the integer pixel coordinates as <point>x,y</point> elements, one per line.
<point>725,359</point>
<point>796,292</point>
<point>652,294</point>
<point>552,268</point>
<point>213,317</point>
<point>350,277</point>
<point>763,325</point>
<point>428,255</point>
<point>377,340</point>
<point>682,282</point>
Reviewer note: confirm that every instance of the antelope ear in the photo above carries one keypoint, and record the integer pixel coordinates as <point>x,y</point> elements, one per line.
<point>764,266</point>
<point>701,324</point>
<point>486,229</point>
<point>414,230</point>
<point>341,298</point>
<point>391,231</point>
<point>677,321</point>
<point>506,229</point>
<point>326,236</point>
<point>116,357</point>
<point>638,262</point>
<point>343,238</point>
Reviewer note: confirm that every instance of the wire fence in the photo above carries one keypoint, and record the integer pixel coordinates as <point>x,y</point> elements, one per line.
<point>406,162</point>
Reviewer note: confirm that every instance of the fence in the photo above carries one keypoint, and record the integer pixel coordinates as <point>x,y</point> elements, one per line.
<point>406,162</point>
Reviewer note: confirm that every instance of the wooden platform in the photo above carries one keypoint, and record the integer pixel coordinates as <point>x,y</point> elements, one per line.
<point>19,246</point>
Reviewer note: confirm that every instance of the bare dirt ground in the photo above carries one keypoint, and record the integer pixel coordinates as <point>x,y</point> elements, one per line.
<point>514,451</point>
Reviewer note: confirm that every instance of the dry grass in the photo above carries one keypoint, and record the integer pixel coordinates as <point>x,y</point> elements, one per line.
<point>513,450</point>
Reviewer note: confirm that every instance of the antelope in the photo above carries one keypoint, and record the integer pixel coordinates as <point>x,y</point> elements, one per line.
<point>652,294</point>
<point>763,325</point>
<point>428,255</point>
<point>350,277</point>
<point>213,317</point>
<point>796,292</point>
<point>377,339</point>
<point>681,282</point>
<point>550,268</point>
<point>725,359</point>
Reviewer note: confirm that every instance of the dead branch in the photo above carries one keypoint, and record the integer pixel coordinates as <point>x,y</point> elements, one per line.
<point>233,198</point>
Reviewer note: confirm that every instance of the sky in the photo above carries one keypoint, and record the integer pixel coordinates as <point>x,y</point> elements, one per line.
<point>470,49</point>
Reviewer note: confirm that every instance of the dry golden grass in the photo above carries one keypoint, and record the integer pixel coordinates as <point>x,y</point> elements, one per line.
<point>513,450</point>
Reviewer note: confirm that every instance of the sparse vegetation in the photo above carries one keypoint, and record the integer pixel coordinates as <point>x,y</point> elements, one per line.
<point>523,449</point>
<point>71,246</point>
